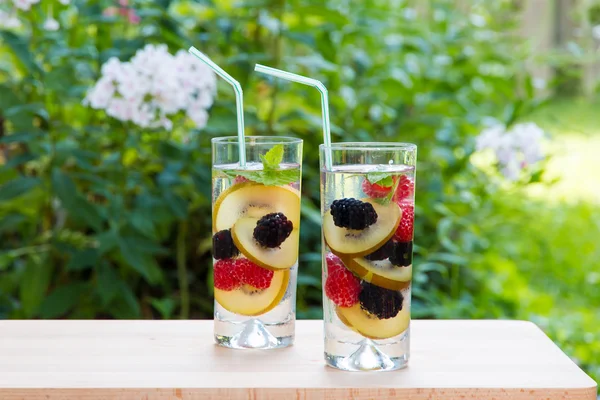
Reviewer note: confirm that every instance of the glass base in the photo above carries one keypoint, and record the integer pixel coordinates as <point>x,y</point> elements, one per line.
<point>366,358</point>
<point>254,335</point>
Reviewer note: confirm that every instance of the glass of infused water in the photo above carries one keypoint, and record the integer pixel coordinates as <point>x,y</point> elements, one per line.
<point>255,221</point>
<point>367,204</point>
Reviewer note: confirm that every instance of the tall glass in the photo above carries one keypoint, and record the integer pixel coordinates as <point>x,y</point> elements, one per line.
<point>256,221</point>
<point>367,204</point>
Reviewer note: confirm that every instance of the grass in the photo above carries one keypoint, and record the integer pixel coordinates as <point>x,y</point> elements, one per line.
<point>551,235</point>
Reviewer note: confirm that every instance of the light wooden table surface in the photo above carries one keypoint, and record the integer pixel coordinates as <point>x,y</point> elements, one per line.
<point>105,360</point>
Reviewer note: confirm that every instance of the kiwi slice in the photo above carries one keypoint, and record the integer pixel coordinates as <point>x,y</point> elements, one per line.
<point>250,301</point>
<point>278,258</point>
<point>381,273</point>
<point>345,242</point>
<point>372,327</point>
<point>250,199</point>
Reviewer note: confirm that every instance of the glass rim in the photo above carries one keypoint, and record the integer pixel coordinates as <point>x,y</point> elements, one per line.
<point>370,146</point>
<point>249,140</point>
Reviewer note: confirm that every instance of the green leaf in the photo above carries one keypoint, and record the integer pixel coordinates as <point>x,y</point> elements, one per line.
<point>125,305</point>
<point>308,280</point>
<point>176,204</point>
<point>106,282</point>
<point>11,222</point>
<point>33,285</point>
<point>20,48</point>
<point>19,160</point>
<point>384,179</point>
<point>165,307</point>
<point>22,137</point>
<point>62,299</point>
<point>87,212</point>
<point>142,222</point>
<point>272,158</point>
<point>8,98</point>
<point>74,203</point>
<point>17,187</point>
<point>272,178</point>
<point>271,174</point>
<point>107,241</point>
<point>83,259</point>
<point>63,186</point>
<point>387,199</point>
<point>144,245</point>
<point>140,261</point>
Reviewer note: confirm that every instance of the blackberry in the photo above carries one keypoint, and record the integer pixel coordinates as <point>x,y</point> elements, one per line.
<point>353,214</point>
<point>272,230</point>
<point>223,246</point>
<point>381,253</point>
<point>402,254</point>
<point>383,303</point>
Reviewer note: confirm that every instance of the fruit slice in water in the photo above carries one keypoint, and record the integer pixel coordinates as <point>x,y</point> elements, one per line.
<point>278,258</point>
<point>370,326</point>
<point>255,200</point>
<point>357,243</point>
<point>381,273</point>
<point>247,300</point>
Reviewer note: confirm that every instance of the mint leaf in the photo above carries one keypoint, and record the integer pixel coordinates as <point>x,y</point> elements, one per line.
<point>281,177</point>
<point>271,177</point>
<point>384,179</point>
<point>272,158</point>
<point>386,200</point>
<point>271,174</point>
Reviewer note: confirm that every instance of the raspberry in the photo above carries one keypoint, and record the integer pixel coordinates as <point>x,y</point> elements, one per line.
<point>334,263</point>
<point>272,230</point>
<point>381,253</point>
<point>240,179</point>
<point>341,287</point>
<point>375,190</point>
<point>251,274</point>
<point>224,277</point>
<point>383,303</point>
<point>404,233</point>
<point>223,246</point>
<point>405,190</point>
<point>353,214</point>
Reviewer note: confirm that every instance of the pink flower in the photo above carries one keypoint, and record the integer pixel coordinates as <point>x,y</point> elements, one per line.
<point>124,10</point>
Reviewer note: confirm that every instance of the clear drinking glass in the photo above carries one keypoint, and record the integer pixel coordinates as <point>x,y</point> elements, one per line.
<point>367,204</point>
<point>256,220</point>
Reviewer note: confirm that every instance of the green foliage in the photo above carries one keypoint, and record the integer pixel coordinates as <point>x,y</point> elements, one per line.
<point>103,219</point>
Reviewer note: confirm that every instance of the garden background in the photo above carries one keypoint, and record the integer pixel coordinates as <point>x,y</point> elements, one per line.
<point>106,214</point>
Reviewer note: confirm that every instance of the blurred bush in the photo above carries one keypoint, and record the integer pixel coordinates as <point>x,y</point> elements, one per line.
<point>100,218</point>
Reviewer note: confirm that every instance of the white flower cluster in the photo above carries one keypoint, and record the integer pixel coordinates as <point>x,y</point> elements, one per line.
<point>153,86</point>
<point>9,18</point>
<point>24,5</point>
<point>9,12</point>
<point>515,149</point>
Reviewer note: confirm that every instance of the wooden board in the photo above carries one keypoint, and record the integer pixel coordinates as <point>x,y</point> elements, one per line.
<point>106,360</point>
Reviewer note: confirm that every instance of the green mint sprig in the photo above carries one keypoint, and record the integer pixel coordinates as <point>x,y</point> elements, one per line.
<point>271,174</point>
<point>384,179</point>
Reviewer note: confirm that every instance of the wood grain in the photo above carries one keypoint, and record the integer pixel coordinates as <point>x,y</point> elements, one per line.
<point>109,360</point>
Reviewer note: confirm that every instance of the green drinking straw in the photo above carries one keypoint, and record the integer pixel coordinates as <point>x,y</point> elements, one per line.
<point>324,101</point>
<point>239,99</point>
